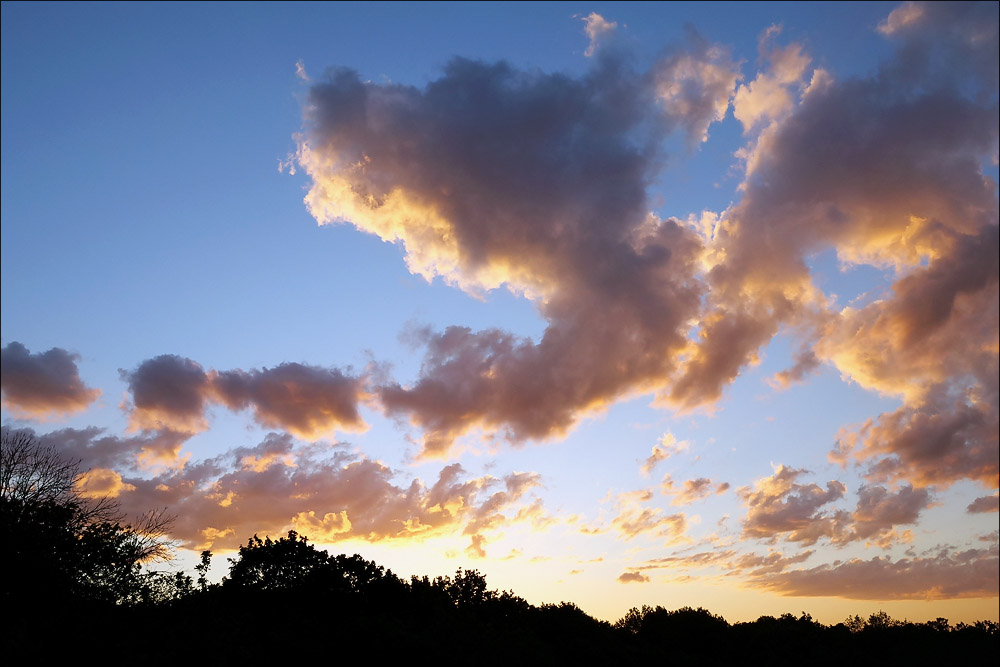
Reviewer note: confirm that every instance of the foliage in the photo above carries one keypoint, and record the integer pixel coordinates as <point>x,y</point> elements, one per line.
<point>65,546</point>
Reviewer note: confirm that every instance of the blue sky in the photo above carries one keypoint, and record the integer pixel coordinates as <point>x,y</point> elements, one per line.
<point>149,208</point>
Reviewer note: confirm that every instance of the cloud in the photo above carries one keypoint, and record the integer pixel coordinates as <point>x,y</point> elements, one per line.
<point>42,385</point>
<point>633,519</point>
<point>963,574</point>
<point>692,489</point>
<point>326,492</point>
<point>490,177</point>
<point>778,505</point>
<point>633,578</point>
<point>93,449</point>
<point>729,560</point>
<point>984,504</point>
<point>772,93</point>
<point>943,439</point>
<point>598,29</point>
<point>102,483</point>
<point>173,393</point>
<point>885,170</point>
<point>666,447</point>
<point>696,84</point>
<point>879,511</point>
<point>308,401</point>
<point>806,362</point>
<point>168,392</point>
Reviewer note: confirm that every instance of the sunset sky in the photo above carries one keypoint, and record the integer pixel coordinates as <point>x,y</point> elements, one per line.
<point>621,304</point>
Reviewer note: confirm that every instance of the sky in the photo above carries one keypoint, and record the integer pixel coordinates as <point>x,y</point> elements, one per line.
<point>619,304</point>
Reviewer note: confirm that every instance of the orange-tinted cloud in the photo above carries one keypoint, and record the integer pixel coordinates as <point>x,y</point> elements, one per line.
<point>328,493</point>
<point>666,447</point>
<point>634,518</point>
<point>692,489</point>
<point>886,170</point>
<point>943,439</point>
<point>102,483</point>
<point>171,392</point>
<point>633,578</point>
<point>494,177</point>
<point>44,384</point>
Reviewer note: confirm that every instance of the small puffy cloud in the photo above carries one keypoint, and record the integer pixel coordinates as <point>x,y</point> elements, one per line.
<point>772,93</point>
<point>938,442</point>
<point>102,483</point>
<point>43,384</point>
<point>666,447</point>
<point>984,504</point>
<point>695,85</point>
<point>806,362</point>
<point>907,14</point>
<point>691,490</point>
<point>633,578</point>
<point>780,507</point>
<point>597,29</point>
<point>168,392</point>
<point>634,519</point>
<point>962,574</point>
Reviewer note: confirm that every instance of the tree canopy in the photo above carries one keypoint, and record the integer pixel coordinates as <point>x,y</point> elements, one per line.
<point>62,545</point>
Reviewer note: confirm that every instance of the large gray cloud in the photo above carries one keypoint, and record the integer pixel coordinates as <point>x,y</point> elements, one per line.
<point>492,176</point>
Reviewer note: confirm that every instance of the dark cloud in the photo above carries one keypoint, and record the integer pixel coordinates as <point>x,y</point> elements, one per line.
<point>44,384</point>
<point>984,504</point>
<point>173,393</point>
<point>307,400</point>
<point>168,391</point>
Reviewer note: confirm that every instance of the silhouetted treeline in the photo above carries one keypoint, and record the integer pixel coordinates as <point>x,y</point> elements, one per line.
<point>74,588</point>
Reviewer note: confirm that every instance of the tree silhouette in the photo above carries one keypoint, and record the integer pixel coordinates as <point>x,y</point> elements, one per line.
<point>286,563</point>
<point>59,545</point>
